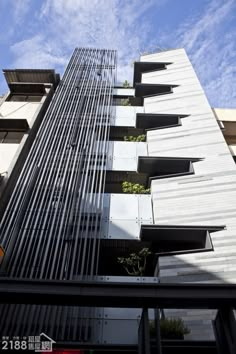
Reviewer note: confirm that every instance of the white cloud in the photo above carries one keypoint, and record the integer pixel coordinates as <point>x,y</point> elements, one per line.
<point>213,52</point>
<point>97,23</point>
<point>36,53</point>
<point>210,43</point>
<point>124,25</point>
<point>20,8</point>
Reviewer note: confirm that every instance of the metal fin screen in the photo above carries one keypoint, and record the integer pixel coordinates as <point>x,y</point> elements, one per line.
<point>50,229</point>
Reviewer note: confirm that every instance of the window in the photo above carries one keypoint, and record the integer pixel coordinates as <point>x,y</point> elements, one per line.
<point>25,98</point>
<point>10,137</point>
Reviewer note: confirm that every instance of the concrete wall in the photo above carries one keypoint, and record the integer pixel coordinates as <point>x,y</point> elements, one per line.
<point>7,154</point>
<point>19,110</point>
<point>228,119</point>
<point>225,114</point>
<point>16,110</point>
<point>12,156</point>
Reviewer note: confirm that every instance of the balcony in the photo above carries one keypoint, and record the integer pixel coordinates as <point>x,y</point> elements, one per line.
<point>144,122</point>
<point>147,67</point>
<point>164,167</point>
<point>146,90</point>
<point>150,121</point>
<point>110,250</point>
<point>167,240</point>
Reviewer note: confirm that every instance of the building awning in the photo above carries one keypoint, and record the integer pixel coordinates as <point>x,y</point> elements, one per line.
<point>31,76</point>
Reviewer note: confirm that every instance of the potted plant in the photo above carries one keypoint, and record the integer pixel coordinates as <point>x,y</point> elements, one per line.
<point>125,102</point>
<point>170,328</point>
<point>135,263</point>
<point>126,84</point>
<point>138,138</point>
<point>134,188</point>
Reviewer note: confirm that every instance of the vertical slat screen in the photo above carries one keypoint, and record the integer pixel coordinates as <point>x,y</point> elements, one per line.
<point>51,227</point>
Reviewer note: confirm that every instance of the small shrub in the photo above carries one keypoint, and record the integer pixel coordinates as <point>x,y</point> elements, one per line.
<point>134,188</point>
<point>125,102</point>
<point>171,328</point>
<point>135,138</point>
<point>135,263</point>
<point>126,84</point>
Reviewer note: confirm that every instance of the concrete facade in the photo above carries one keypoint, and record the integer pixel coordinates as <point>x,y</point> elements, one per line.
<point>202,198</point>
<point>206,197</point>
<point>21,112</point>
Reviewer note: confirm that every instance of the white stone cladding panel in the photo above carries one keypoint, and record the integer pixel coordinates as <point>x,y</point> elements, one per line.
<point>124,155</point>
<point>174,103</point>
<point>126,115</point>
<point>170,75</point>
<point>123,91</point>
<point>208,196</point>
<point>123,229</point>
<point>125,215</point>
<point>120,164</point>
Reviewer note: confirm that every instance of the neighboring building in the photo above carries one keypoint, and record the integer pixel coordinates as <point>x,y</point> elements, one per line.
<point>227,119</point>
<point>70,218</point>
<point>21,112</point>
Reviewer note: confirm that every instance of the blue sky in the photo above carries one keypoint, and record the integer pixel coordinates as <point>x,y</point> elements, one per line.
<point>43,34</point>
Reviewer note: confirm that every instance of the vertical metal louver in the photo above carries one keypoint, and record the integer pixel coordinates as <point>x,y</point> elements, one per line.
<point>50,229</point>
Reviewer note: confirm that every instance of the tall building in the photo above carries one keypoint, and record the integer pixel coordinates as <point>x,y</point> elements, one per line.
<point>123,188</point>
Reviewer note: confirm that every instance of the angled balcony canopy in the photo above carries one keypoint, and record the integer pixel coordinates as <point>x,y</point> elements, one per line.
<point>162,167</point>
<point>31,75</point>
<point>146,90</point>
<point>149,121</point>
<point>146,67</point>
<point>168,240</point>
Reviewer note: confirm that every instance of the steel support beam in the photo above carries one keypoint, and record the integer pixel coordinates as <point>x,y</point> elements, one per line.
<point>130,295</point>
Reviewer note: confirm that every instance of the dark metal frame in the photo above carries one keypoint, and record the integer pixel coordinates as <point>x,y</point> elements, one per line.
<point>130,295</point>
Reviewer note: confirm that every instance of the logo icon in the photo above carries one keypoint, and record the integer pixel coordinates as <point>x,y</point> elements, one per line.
<point>41,343</point>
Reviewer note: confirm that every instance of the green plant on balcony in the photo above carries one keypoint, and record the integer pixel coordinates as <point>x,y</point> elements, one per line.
<point>134,188</point>
<point>125,102</point>
<point>126,84</point>
<point>135,138</point>
<point>135,263</point>
<point>171,328</point>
